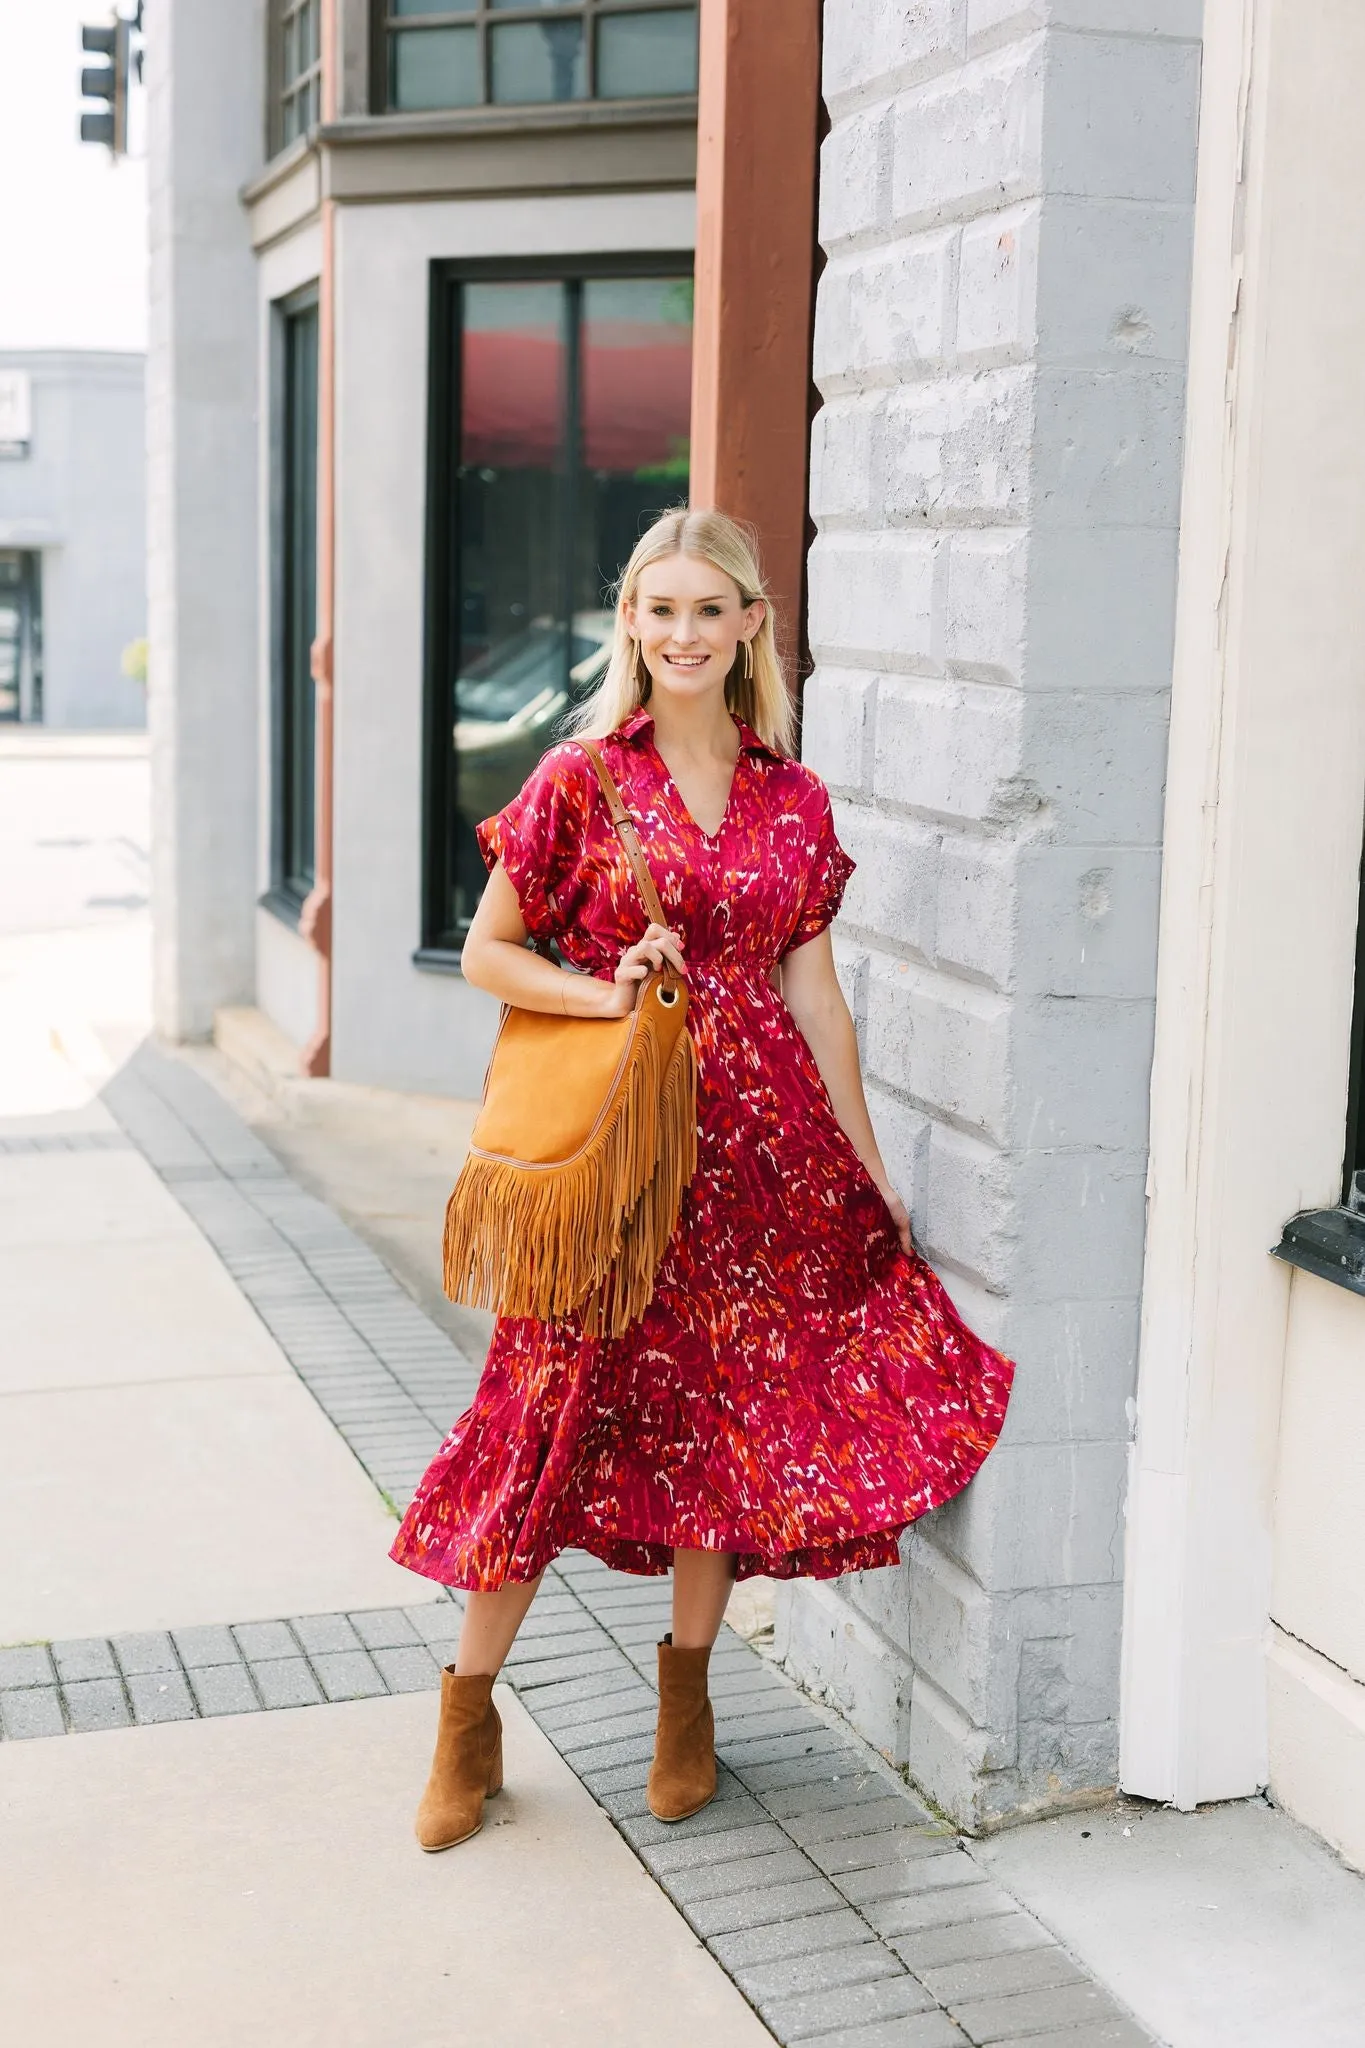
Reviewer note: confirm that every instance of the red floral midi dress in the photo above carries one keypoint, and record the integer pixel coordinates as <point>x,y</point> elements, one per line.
<point>799,1389</point>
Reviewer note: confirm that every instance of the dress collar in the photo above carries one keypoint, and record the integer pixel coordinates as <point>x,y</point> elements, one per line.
<point>641,725</point>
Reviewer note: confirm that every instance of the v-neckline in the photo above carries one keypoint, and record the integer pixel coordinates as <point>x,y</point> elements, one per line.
<point>711,838</point>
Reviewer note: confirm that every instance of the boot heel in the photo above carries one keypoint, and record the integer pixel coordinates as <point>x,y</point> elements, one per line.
<point>495,1774</point>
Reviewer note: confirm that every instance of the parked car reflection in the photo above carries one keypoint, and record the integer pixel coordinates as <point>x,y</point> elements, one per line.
<point>509,704</point>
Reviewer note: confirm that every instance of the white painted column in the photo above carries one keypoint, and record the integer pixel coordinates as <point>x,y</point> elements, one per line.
<point>206,115</point>
<point>1261,851</point>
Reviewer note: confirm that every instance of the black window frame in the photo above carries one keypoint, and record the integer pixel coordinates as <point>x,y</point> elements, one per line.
<point>488,14</point>
<point>292,761</point>
<point>439,946</point>
<point>1353,1171</point>
<point>28,582</point>
<point>1331,1242</point>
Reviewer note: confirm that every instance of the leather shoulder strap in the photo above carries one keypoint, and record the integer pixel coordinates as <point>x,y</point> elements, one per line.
<point>629,837</point>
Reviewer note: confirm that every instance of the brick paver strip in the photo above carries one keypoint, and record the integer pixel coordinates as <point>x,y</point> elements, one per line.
<point>986,2021</point>
<point>29,1664</point>
<point>150,1651</point>
<point>1030,1969</point>
<point>1122,2033</point>
<point>911,1914</point>
<point>260,1639</point>
<point>224,1689</point>
<point>286,1682</point>
<point>929,2030</point>
<point>847,1916</point>
<point>969,1941</point>
<point>93,1703</point>
<point>387,1628</point>
<point>157,1696</point>
<point>199,1648</point>
<point>865,1962</point>
<point>815,2012</point>
<point>36,1711</point>
<point>89,1657</point>
<point>321,1632</point>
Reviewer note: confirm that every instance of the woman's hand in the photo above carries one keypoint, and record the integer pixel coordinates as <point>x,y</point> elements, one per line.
<point>659,948</point>
<point>900,1216</point>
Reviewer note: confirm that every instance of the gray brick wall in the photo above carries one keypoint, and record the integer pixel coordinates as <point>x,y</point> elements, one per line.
<point>1006,206</point>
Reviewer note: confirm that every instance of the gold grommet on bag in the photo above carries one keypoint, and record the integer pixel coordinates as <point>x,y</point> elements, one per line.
<point>667,996</point>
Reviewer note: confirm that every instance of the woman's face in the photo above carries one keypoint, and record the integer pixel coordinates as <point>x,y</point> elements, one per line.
<point>689,619</point>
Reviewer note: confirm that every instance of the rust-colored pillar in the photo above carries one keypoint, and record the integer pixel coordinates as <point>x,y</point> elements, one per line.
<point>757,139</point>
<point>315,923</point>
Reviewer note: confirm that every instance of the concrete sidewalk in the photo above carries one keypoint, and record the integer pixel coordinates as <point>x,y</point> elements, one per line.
<point>218,1872</point>
<point>211,1381</point>
<point>253,1879</point>
<point>1229,1928</point>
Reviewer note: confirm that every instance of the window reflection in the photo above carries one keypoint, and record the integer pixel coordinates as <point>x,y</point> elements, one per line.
<point>439,68</point>
<point>647,56</point>
<point>572,434</point>
<point>535,61</point>
<point>464,53</point>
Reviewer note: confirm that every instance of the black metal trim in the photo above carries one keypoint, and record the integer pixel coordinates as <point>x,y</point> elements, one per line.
<point>437,960</point>
<point>303,300</point>
<point>1327,1242</point>
<point>443,372</point>
<point>1353,1165</point>
<point>615,263</point>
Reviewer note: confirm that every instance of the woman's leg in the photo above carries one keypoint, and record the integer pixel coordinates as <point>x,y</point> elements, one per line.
<point>682,1777</point>
<point>489,1628</point>
<point>467,1767</point>
<point>702,1584</point>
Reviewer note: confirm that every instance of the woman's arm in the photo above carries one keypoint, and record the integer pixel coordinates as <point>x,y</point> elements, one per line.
<point>811,990</point>
<point>496,958</point>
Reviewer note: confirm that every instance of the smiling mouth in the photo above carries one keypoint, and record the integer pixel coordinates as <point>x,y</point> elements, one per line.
<point>687,660</point>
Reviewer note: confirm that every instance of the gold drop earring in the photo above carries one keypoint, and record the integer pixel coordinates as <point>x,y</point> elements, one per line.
<point>748,661</point>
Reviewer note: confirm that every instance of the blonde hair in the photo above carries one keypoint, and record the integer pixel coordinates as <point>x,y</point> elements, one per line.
<point>761,699</point>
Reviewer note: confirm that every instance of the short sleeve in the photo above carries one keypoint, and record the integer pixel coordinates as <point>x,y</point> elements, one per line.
<point>828,868</point>
<point>539,836</point>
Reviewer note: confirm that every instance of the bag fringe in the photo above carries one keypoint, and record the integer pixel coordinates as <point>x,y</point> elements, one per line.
<point>587,1236</point>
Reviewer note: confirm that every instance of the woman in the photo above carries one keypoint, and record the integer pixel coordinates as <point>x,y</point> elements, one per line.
<point>800,1388</point>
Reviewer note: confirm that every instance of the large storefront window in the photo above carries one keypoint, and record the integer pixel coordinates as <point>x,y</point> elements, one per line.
<point>468,53</point>
<point>560,416</point>
<point>294,768</point>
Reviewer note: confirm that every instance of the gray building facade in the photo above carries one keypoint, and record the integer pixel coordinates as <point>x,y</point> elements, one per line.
<point>1006,208</point>
<point>72,536</point>
<point>1086,623</point>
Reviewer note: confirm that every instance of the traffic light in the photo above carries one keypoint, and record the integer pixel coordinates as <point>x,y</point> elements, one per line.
<point>107,82</point>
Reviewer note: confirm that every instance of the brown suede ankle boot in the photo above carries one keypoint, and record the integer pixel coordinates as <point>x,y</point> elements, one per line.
<point>682,1777</point>
<point>467,1766</point>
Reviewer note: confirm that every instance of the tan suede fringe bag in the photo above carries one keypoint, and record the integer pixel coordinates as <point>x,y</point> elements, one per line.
<point>585,1141</point>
